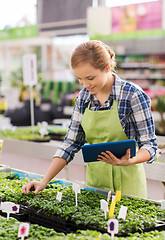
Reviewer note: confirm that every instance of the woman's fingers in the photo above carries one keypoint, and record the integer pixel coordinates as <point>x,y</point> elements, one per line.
<point>105,156</point>
<point>37,190</point>
<point>128,153</point>
<point>35,186</point>
<point>28,187</point>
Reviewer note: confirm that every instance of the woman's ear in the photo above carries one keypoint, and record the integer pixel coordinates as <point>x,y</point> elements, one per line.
<point>108,68</point>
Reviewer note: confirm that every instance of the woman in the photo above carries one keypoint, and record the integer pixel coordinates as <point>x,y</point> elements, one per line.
<point>106,109</point>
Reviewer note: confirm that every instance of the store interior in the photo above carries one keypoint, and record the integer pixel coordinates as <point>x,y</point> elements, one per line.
<point>35,115</point>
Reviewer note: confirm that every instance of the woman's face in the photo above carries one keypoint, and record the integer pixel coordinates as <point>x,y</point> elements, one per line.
<point>91,78</point>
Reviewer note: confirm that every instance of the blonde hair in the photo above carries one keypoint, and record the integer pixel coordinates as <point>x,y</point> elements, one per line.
<point>97,53</point>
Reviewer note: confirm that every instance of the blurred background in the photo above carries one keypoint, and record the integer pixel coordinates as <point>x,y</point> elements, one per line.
<point>51,29</point>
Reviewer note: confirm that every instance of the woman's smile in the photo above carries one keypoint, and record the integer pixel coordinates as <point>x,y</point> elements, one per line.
<point>90,89</point>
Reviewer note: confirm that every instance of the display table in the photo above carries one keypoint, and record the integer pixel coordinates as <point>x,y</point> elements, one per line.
<point>36,158</point>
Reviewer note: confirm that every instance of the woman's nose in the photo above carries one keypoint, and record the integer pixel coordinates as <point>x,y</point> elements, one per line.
<point>85,85</point>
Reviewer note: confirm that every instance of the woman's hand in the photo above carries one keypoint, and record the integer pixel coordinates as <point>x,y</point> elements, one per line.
<point>35,186</point>
<point>108,157</point>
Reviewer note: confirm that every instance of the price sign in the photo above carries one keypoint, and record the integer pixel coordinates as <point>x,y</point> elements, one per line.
<point>104,207</point>
<point>29,69</point>
<point>113,227</point>
<point>23,230</point>
<point>76,189</point>
<point>59,196</point>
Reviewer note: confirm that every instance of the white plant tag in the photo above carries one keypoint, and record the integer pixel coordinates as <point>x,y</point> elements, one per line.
<point>9,207</point>
<point>76,189</point>
<point>122,212</point>
<point>113,227</point>
<point>15,208</point>
<point>23,230</point>
<point>104,206</point>
<point>59,196</point>
<point>113,198</point>
<point>163,205</point>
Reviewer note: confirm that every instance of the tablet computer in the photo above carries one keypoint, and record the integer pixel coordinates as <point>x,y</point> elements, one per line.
<point>91,151</point>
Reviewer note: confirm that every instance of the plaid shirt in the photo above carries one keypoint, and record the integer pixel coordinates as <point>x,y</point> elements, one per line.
<point>134,113</point>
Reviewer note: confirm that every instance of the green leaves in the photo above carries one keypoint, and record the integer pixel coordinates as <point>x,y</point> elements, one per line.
<point>141,214</point>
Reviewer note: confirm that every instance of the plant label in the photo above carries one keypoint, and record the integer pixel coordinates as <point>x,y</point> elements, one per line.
<point>23,230</point>
<point>30,69</point>
<point>118,196</point>
<point>9,207</point>
<point>113,198</point>
<point>15,208</point>
<point>76,189</point>
<point>112,209</point>
<point>113,227</point>
<point>163,205</point>
<point>122,212</point>
<point>104,206</point>
<point>59,196</point>
<point>109,195</point>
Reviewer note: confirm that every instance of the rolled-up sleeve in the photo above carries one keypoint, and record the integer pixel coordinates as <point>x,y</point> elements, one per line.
<point>143,123</point>
<point>75,136</point>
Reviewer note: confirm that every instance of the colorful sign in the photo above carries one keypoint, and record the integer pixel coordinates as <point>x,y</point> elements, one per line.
<point>135,17</point>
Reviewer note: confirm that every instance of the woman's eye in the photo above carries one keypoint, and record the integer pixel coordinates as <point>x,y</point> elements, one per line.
<point>91,78</point>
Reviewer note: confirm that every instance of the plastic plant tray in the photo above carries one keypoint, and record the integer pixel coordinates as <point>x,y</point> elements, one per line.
<point>55,222</point>
<point>69,226</point>
<point>62,225</point>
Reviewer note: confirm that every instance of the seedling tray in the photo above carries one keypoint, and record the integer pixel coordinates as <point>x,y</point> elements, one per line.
<point>74,227</point>
<point>66,226</point>
<point>55,222</point>
<point>69,226</point>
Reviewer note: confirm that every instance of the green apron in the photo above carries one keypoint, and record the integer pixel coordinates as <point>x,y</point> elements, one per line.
<point>104,126</point>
